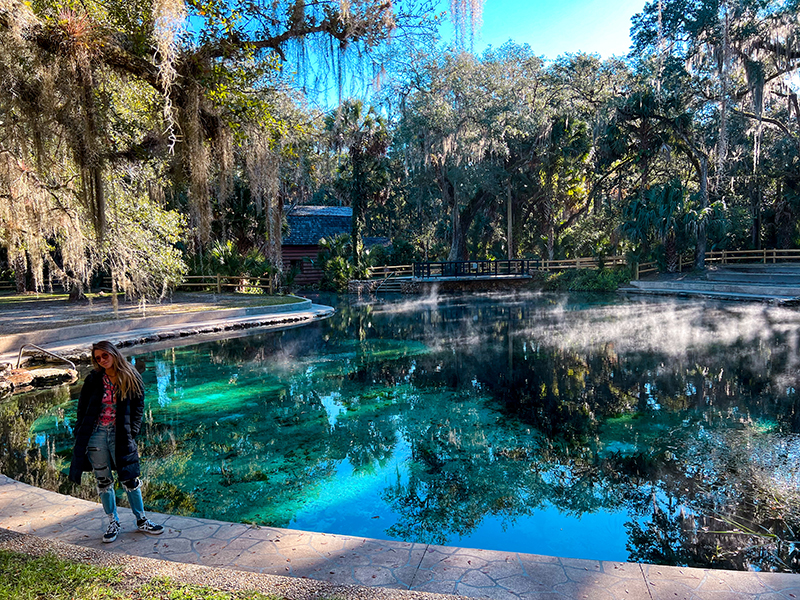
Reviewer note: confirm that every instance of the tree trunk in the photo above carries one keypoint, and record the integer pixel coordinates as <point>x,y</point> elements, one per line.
<point>458,239</point>
<point>20,271</point>
<point>76,292</point>
<point>671,252</point>
<point>357,204</point>
<point>700,259</point>
<point>785,221</point>
<point>463,220</point>
<point>755,229</point>
<point>510,234</point>
<point>549,206</point>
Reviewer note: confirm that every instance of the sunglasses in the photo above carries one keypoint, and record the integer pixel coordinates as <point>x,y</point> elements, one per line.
<point>102,356</point>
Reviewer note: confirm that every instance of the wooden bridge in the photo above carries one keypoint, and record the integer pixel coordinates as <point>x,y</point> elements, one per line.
<point>390,278</point>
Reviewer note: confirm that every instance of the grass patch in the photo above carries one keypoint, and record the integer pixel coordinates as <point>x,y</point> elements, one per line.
<point>24,577</point>
<point>14,298</point>
<point>220,300</point>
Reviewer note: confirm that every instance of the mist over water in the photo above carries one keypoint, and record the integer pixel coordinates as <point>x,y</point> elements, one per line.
<point>581,426</point>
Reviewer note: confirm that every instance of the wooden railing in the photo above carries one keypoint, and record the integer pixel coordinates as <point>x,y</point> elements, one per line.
<point>491,268</point>
<point>474,268</point>
<point>771,255</point>
<point>218,283</point>
<point>519,267</point>
<point>390,271</point>
<point>590,262</point>
<point>645,268</point>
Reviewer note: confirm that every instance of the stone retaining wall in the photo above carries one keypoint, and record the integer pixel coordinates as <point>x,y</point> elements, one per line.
<point>465,285</point>
<point>366,287</point>
<point>361,287</point>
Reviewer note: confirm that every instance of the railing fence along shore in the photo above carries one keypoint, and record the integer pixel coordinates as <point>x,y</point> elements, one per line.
<point>506,268</point>
<point>218,283</point>
<point>727,257</point>
<point>488,268</point>
<point>520,266</point>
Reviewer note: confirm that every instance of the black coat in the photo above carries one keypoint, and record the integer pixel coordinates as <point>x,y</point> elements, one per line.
<point>128,423</point>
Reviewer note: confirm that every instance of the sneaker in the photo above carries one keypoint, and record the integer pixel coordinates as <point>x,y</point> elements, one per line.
<point>150,528</point>
<point>111,533</point>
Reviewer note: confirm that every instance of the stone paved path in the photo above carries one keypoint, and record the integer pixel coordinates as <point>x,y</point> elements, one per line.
<point>386,564</point>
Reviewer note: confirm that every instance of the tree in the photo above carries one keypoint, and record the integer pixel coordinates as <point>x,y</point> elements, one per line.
<point>657,218</point>
<point>736,55</point>
<point>364,175</point>
<point>71,75</point>
<point>460,117</point>
<point>561,177</point>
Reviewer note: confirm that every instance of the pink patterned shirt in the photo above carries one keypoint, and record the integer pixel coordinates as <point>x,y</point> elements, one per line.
<point>109,413</point>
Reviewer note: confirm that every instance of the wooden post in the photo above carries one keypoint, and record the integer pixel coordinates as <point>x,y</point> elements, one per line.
<point>764,259</point>
<point>636,271</point>
<point>219,285</point>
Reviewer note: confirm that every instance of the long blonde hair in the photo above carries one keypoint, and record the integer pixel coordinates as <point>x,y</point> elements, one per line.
<point>128,379</point>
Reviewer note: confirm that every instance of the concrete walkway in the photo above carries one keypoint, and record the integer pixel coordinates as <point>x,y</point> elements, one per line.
<point>180,329</point>
<point>777,283</point>
<point>339,559</point>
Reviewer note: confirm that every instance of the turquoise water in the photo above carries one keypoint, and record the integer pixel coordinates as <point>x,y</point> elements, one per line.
<point>586,427</point>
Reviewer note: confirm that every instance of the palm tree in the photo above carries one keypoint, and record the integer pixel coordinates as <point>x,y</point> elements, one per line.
<point>657,216</point>
<point>365,172</point>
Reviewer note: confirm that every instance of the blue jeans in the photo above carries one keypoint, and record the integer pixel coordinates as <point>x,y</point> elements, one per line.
<point>101,453</point>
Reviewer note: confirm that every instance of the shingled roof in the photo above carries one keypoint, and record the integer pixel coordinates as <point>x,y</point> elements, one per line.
<point>309,224</point>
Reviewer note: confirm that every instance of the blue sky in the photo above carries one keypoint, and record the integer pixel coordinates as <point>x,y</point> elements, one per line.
<point>550,27</point>
<point>554,27</point>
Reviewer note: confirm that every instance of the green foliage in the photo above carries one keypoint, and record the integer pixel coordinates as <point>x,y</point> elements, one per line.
<point>364,173</point>
<point>650,219</point>
<point>401,252</point>
<point>586,280</point>
<point>557,149</point>
<point>96,90</point>
<point>141,248</point>
<point>334,260</point>
<point>288,278</point>
<point>225,259</point>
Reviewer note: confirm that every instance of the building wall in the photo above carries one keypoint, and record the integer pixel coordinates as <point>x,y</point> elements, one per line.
<point>309,273</point>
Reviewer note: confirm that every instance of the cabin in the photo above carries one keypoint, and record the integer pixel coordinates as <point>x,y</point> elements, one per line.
<point>307,226</point>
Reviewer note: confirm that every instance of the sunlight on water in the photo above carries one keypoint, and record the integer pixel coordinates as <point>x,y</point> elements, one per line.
<point>588,427</point>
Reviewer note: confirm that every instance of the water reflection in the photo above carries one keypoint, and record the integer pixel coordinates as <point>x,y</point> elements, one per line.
<point>651,431</point>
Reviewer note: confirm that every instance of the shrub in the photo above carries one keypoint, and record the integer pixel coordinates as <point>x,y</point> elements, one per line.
<point>587,280</point>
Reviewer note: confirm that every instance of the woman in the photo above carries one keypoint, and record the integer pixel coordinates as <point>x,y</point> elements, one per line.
<point>110,412</point>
